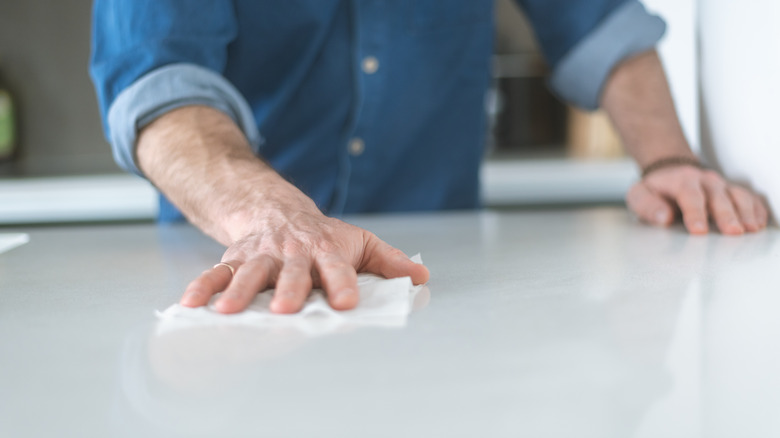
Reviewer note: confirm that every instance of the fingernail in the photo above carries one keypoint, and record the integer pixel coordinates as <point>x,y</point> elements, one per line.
<point>699,226</point>
<point>343,293</point>
<point>188,297</point>
<point>282,306</point>
<point>736,226</point>
<point>344,296</point>
<point>661,217</point>
<point>225,306</point>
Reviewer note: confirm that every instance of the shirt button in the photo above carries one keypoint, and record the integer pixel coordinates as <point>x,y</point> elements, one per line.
<point>370,65</point>
<point>356,146</point>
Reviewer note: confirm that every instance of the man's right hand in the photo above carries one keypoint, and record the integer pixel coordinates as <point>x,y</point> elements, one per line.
<point>275,234</point>
<point>296,252</point>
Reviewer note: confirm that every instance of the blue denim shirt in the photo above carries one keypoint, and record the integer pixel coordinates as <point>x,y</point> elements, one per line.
<point>366,105</point>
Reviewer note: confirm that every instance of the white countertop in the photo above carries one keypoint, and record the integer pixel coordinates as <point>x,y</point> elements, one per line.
<point>541,324</point>
<point>127,197</point>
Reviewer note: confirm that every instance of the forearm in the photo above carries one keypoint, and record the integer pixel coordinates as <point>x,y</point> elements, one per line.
<point>276,236</point>
<point>202,162</point>
<point>639,102</point>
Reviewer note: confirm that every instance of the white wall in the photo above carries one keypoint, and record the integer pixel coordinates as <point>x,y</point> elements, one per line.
<point>723,62</point>
<point>740,70</point>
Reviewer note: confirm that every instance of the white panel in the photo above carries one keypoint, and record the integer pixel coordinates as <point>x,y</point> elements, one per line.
<point>76,199</point>
<point>556,182</point>
<point>740,67</point>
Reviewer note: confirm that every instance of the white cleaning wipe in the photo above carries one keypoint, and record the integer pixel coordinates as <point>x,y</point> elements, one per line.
<point>383,302</point>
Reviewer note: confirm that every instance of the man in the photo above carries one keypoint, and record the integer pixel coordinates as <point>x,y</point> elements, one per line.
<point>366,106</point>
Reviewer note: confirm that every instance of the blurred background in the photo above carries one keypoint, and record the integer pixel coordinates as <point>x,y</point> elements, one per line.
<point>57,166</point>
<point>44,52</point>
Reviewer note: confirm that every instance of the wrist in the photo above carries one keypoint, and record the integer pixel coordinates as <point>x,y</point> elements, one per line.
<point>670,161</point>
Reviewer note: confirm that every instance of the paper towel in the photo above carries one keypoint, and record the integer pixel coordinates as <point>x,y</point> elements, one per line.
<point>383,302</point>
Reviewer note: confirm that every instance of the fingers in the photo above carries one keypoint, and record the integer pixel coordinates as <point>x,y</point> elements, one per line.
<point>744,202</point>
<point>325,252</point>
<point>253,277</point>
<point>293,285</point>
<point>692,203</point>
<point>390,262</point>
<point>649,206</point>
<point>720,205</point>
<point>750,207</point>
<point>211,281</point>
<point>339,280</point>
<point>699,195</point>
<point>762,214</point>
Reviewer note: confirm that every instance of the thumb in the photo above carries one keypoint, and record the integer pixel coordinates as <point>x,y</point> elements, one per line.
<point>381,258</point>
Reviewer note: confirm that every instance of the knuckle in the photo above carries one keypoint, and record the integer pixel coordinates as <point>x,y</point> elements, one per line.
<point>711,174</point>
<point>395,252</point>
<point>725,213</point>
<point>259,260</point>
<point>296,283</point>
<point>340,267</point>
<point>269,250</point>
<point>267,263</point>
<point>740,193</point>
<point>292,247</point>
<point>714,179</point>
<point>296,265</point>
<point>326,247</point>
<point>747,210</point>
<point>238,251</point>
<point>692,195</point>
<point>368,236</point>
<point>723,209</point>
<point>332,263</point>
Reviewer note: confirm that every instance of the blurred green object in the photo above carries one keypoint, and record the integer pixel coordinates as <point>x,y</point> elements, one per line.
<point>7,131</point>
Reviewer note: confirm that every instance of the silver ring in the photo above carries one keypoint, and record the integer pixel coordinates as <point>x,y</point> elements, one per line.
<point>232,269</point>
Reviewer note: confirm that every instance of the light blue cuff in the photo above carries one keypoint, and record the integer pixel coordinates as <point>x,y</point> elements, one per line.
<point>580,76</point>
<point>166,89</point>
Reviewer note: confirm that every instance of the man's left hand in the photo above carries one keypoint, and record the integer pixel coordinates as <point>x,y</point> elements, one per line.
<point>698,195</point>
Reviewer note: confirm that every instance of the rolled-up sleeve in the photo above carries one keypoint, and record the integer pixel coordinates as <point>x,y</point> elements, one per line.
<point>163,90</point>
<point>152,56</point>
<point>585,40</point>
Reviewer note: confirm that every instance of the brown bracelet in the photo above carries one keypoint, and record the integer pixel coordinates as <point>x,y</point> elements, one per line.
<point>671,162</point>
